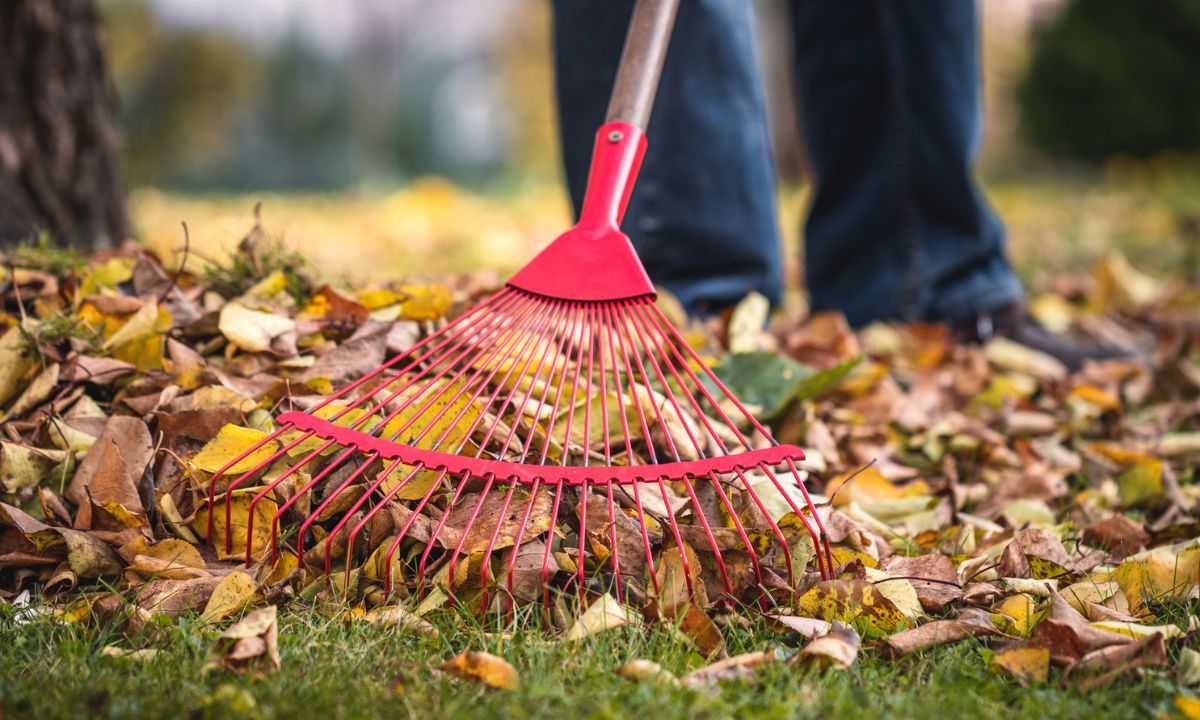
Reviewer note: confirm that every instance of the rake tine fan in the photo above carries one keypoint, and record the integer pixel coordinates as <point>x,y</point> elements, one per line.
<point>560,434</point>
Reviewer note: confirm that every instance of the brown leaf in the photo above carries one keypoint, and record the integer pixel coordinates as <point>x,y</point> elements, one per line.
<point>394,616</point>
<point>701,632</point>
<point>1034,553</point>
<point>971,623</point>
<point>738,667</point>
<point>1068,636</point>
<point>1117,534</point>
<point>630,554</point>
<point>838,648</point>
<point>488,517</point>
<point>250,645</point>
<point>933,595</point>
<point>483,668</point>
<point>99,371</point>
<point>112,470</point>
<point>1101,666</point>
<point>362,353</point>
<point>176,597</point>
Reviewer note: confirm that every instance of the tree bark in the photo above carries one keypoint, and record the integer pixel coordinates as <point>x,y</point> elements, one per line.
<point>59,153</point>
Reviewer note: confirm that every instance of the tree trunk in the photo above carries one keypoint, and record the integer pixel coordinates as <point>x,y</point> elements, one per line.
<point>59,157</point>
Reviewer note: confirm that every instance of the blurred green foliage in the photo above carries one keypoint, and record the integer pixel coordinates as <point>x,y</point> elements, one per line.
<point>1115,76</point>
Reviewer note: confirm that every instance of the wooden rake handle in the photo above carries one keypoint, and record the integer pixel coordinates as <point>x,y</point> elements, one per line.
<point>642,61</point>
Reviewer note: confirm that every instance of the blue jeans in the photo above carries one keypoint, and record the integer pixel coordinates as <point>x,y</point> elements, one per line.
<point>890,107</point>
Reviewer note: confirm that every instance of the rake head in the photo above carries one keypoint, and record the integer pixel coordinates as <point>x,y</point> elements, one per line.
<point>560,434</point>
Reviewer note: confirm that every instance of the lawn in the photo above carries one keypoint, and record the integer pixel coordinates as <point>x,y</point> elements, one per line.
<point>332,668</point>
<point>1040,455</point>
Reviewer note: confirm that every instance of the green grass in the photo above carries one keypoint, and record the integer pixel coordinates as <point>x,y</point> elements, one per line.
<point>332,669</point>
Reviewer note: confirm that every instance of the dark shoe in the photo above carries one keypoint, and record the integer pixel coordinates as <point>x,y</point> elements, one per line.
<point>1016,324</point>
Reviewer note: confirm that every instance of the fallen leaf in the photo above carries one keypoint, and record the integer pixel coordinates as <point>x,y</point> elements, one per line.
<point>648,671</point>
<point>838,648</point>
<point>850,600</point>
<point>236,534</point>
<point>1188,667</point>
<point>230,442</point>
<point>233,593</point>
<point>252,330</point>
<point>120,653</point>
<point>17,358</point>
<point>605,613</point>
<point>1024,663</point>
<point>394,616</point>
<point>250,645</point>
<point>483,668</point>
<point>972,623</point>
<point>738,667</point>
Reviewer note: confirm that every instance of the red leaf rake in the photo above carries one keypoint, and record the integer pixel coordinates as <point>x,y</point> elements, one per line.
<point>567,386</point>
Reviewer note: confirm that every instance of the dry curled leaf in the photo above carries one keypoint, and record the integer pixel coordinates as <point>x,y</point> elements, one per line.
<point>482,667</point>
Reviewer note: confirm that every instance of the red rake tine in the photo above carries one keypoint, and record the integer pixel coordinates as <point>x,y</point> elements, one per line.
<point>471,315</point>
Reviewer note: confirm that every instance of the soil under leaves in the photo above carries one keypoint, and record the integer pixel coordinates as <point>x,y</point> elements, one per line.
<point>982,503</point>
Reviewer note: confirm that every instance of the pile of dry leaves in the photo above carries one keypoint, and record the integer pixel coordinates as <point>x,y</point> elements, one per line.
<point>966,491</point>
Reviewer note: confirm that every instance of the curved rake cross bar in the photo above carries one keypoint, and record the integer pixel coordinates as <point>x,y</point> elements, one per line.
<point>525,474</point>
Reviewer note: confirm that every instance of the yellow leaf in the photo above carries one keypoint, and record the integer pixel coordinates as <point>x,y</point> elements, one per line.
<point>1188,706</point>
<point>394,616</point>
<point>172,550</point>
<point>869,485</point>
<point>231,441</point>
<point>849,600</point>
<point>231,595</point>
<point>377,298</point>
<point>1020,612</point>
<point>107,276</point>
<point>443,425</point>
<point>843,555</point>
<point>483,668</point>
<point>142,324</point>
<point>264,513</point>
<point>1024,663</point>
<point>425,302</point>
<point>899,591</point>
<point>603,614</point>
<point>1137,630</point>
<point>1099,397</point>
<point>16,360</point>
<point>1140,483</point>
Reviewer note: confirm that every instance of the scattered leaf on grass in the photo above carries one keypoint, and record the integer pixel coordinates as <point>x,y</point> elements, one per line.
<point>1024,663</point>
<point>648,671</point>
<point>605,613</point>
<point>483,668</point>
<point>232,594</point>
<point>394,616</point>
<point>249,646</point>
<point>837,648</point>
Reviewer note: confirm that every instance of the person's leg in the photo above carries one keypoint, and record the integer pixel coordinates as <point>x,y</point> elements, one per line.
<point>702,215</point>
<point>890,105</point>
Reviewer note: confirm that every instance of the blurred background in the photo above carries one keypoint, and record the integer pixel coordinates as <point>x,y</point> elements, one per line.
<point>421,135</point>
